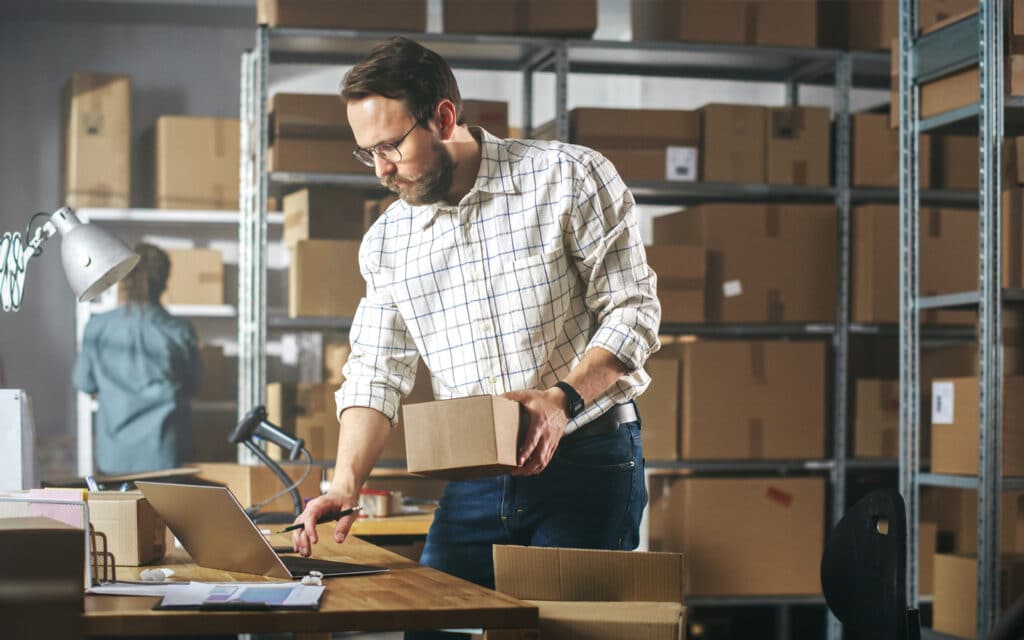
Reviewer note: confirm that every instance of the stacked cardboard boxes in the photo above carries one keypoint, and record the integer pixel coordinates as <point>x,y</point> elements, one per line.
<point>196,163</point>
<point>948,262</point>
<point>310,133</point>
<point>491,115</point>
<point>876,153</point>
<point>709,521</point>
<point>797,146</point>
<point>743,241</point>
<point>876,418</point>
<point>792,23</point>
<point>733,143</point>
<point>390,15</point>
<point>324,279</point>
<point>136,533</point>
<point>726,400</point>
<point>643,144</point>
<point>95,163</point>
<point>682,276</point>
<point>538,17</point>
<point>954,426</point>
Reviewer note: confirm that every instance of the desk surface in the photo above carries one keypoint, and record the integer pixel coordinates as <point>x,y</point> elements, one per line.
<point>409,597</point>
<point>417,524</point>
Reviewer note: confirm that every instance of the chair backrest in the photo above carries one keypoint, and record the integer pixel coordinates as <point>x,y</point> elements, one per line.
<point>863,572</point>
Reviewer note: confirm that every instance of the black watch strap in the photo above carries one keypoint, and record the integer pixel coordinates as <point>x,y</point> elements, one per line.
<point>573,400</point>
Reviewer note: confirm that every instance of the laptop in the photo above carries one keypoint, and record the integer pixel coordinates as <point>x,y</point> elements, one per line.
<point>214,529</point>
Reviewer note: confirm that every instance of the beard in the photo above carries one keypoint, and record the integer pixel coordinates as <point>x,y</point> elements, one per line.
<point>429,187</point>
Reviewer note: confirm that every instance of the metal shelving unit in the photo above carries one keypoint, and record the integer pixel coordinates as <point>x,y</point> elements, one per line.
<point>792,67</point>
<point>973,42</point>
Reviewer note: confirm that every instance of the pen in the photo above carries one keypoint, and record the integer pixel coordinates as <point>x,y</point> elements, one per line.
<point>327,517</point>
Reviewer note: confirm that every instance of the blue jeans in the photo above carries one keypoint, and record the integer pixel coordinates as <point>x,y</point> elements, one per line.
<point>592,495</point>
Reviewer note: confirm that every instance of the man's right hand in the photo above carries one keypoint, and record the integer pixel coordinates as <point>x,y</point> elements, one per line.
<point>304,538</point>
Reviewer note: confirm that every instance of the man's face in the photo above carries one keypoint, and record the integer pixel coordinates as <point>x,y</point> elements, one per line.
<point>423,175</point>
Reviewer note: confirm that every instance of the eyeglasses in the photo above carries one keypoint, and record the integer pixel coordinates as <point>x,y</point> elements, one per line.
<point>385,150</point>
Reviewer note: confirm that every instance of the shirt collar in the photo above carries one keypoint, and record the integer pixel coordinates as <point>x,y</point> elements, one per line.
<point>495,175</point>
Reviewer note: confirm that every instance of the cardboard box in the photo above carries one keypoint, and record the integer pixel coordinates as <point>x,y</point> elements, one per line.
<point>798,23</point>
<point>254,483</point>
<point>196,163</point>
<point>135,533</point>
<point>956,591</point>
<point>542,17</point>
<point>741,240</point>
<point>491,115</point>
<point>693,21</point>
<point>876,153</point>
<point>314,155</point>
<point>709,521</point>
<point>462,438</point>
<point>320,431</point>
<point>659,407</point>
<point>872,24</point>
<point>932,12</point>
<point>954,426</point>
<point>927,538</point>
<point>655,165</point>
<point>41,556</point>
<point>596,595</point>
<point>599,128</point>
<point>388,15</point>
<point>197,277</point>
<point>324,213</point>
<point>422,391</point>
<point>335,356</point>
<point>309,115</point>
<point>955,162</point>
<point>948,257</point>
<point>220,375</point>
<point>681,272</point>
<point>733,143</point>
<point>876,422</point>
<point>310,293</point>
<point>96,134</point>
<point>798,146</point>
<point>955,514</point>
<point>736,400</point>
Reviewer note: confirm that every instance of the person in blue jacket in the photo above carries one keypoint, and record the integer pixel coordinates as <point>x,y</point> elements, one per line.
<point>143,365</point>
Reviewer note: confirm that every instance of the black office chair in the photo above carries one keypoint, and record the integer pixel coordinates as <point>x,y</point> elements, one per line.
<point>863,570</point>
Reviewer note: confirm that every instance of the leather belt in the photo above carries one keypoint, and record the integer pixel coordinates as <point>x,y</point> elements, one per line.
<point>608,421</point>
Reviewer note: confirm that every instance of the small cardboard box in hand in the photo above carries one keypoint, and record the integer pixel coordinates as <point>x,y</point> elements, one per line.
<point>462,438</point>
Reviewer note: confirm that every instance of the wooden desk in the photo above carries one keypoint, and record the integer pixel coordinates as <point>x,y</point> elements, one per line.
<point>401,525</point>
<point>409,597</point>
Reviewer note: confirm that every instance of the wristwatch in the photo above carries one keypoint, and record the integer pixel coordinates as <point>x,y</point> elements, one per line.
<point>573,400</point>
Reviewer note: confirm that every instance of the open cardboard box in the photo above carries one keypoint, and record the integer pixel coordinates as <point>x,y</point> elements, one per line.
<point>586,594</point>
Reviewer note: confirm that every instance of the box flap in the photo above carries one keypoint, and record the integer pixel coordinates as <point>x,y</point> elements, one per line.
<point>610,620</point>
<point>547,573</point>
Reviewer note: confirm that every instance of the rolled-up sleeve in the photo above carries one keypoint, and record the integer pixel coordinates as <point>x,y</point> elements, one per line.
<point>620,288</point>
<point>381,367</point>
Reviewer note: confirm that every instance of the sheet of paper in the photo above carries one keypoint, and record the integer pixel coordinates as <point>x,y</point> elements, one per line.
<point>136,588</point>
<point>271,594</point>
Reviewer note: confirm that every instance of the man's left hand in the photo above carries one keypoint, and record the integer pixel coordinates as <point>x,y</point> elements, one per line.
<point>545,411</point>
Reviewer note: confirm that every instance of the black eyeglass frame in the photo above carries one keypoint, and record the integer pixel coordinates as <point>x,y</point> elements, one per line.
<point>382,150</point>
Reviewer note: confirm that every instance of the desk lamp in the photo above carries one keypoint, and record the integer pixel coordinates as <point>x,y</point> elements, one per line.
<point>94,260</point>
<point>255,427</point>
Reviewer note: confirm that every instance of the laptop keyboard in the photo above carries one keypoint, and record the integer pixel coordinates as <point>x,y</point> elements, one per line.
<point>299,566</point>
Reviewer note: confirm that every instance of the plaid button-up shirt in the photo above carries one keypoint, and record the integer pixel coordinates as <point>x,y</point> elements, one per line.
<point>506,290</point>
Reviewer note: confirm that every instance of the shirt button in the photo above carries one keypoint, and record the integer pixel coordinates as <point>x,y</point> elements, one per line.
<point>485,327</point>
<point>492,380</point>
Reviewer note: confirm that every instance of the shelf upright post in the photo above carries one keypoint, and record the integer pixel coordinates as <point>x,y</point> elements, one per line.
<point>990,134</point>
<point>561,51</point>
<point>909,343</point>
<point>252,232</point>
<point>841,335</point>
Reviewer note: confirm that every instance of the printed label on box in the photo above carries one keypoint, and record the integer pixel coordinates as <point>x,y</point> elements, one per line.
<point>681,164</point>
<point>732,288</point>
<point>942,403</point>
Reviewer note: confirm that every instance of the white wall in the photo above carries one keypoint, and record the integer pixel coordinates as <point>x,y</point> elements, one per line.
<point>189,68</point>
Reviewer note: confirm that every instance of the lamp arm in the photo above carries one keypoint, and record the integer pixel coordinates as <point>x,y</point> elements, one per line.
<point>14,257</point>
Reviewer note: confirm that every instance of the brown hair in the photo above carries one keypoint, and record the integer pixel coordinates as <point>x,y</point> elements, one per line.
<point>405,70</point>
<point>147,281</point>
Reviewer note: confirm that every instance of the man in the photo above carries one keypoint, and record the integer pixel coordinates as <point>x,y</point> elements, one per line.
<point>143,365</point>
<point>511,267</point>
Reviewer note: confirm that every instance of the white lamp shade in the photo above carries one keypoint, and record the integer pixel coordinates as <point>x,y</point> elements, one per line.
<point>94,260</point>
